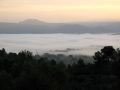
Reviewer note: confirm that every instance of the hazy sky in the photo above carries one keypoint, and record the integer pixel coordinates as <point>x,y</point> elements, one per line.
<point>60,10</point>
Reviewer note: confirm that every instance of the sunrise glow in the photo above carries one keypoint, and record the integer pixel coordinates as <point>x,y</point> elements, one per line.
<point>60,10</point>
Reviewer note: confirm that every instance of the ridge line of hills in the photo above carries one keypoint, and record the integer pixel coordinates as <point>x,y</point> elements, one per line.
<point>34,26</point>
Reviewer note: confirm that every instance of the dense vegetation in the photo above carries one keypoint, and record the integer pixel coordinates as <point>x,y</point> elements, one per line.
<point>23,71</point>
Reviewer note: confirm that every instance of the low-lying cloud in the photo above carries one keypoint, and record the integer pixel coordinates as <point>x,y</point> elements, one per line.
<point>85,44</point>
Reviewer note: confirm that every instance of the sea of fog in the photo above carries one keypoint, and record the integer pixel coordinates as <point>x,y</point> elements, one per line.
<point>84,44</point>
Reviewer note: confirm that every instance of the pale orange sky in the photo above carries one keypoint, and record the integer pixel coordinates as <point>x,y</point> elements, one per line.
<point>60,10</point>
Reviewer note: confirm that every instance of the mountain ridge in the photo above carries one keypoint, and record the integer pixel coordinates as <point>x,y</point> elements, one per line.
<point>32,21</point>
<point>34,26</point>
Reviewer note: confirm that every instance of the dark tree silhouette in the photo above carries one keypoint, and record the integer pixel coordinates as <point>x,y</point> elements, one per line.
<point>23,71</point>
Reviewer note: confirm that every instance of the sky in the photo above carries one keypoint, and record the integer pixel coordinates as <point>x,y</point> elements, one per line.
<point>60,10</point>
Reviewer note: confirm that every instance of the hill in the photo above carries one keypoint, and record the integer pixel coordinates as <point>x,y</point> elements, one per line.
<point>33,26</point>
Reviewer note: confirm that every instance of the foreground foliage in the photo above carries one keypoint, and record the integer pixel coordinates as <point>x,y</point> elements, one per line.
<point>24,72</point>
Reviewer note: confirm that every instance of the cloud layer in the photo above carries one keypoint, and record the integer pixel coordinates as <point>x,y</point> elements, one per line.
<point>86,44</point>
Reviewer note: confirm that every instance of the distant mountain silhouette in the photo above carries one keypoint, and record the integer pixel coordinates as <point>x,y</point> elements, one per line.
<point>34,26</point>
<point>32,21</point>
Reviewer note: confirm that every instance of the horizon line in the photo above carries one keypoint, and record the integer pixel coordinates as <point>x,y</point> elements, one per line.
<point>44,21</point>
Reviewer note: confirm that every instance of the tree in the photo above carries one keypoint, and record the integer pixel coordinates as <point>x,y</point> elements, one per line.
<point>25,54</point>
<point>3,52</point>
<point>106,55</point>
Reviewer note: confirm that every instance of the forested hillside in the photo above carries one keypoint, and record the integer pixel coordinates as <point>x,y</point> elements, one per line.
<point>23,71</point>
